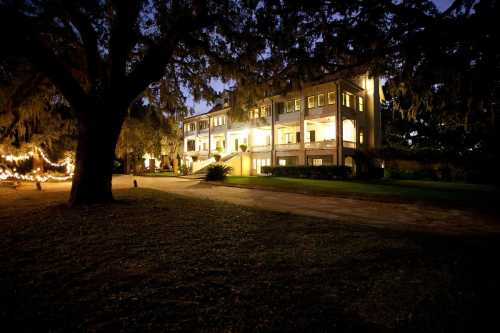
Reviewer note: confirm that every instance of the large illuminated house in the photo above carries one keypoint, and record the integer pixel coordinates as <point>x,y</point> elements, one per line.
<point>321,124</point>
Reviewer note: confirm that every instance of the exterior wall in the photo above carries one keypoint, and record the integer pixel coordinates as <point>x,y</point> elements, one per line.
<point>346,119</point>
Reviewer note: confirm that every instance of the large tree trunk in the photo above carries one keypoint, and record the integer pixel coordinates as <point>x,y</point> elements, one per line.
<point>98,134</point>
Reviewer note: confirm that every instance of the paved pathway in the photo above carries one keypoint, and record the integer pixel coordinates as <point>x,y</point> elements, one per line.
<point>340,209</point>
<point>335,208</point>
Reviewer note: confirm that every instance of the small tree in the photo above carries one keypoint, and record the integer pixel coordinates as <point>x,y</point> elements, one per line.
<point>243,147</point>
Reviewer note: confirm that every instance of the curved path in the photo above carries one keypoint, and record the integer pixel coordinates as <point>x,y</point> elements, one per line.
<point>346,210</point>
<point>340,209</point>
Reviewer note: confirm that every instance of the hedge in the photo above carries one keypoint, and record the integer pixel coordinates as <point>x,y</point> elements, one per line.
<point>314,172</point>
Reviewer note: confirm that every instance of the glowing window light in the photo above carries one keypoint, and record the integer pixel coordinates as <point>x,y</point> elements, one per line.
<point>348,130</point>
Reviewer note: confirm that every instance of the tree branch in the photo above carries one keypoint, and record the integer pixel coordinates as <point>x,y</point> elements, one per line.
<point>19,34</point>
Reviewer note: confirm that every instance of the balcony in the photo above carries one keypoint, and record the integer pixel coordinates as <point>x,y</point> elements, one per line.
<point>190,133</point>
<point>327,144</point>
<point>349,144</point>
<point>203,131</point>
<point>319,112</point>
<point>218,129</point>
<point>287,146</point>
<point>259,149</point>
<point>288,117</point>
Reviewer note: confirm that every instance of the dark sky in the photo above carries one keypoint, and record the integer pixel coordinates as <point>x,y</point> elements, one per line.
<point>203,106</point>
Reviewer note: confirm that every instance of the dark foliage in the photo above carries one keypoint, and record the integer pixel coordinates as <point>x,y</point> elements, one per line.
<point>217,172</point>
<point>314,172</point>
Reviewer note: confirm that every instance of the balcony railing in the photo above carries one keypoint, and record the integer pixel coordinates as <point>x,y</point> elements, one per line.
<point>288,146</point>
<point>261,148</point>
<point>320,144</point>
<point>349,144</point>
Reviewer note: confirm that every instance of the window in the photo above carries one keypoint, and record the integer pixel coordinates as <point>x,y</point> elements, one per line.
<point>280,107</point>
<point>202,125</point>
<point>236,146</point>
<point>312,136</point>
<point>205,146</point>
<point>332,98</point>
<point>310,102</point>
<point>289,106</point>
<point>348,99</point>
<point>297,137</point>
<point>254,113</point>
<point>321,99</point>
<point>361,104</point>
<point>361,137</point>
<point>221,120</point>
<point>317,162</point>
<point>265,110</point>
<point>259,163</point>
<point>192,126</point>
<point>191,146</point>
<point>297,105</point>
<point>287,160</point>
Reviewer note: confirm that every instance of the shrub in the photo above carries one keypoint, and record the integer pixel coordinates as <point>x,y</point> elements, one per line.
<point>314,172</point>
<point>243,147</point>
<point>217,172</point>
<point>185,170</point>
<point>194,158</point>
<point>217,157</point>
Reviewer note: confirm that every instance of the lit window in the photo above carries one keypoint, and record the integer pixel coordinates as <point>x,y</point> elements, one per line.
<point>331,97</point>
<point>297,105</point>
<point>321,99</point>
<point>310,102</point>
<point>282,162</point>
<point>349,130</point>
<point>317,161</point>
<point>361,137</point>
<point>289,106</point>
<point>361,104</point>
<point>346,99</point>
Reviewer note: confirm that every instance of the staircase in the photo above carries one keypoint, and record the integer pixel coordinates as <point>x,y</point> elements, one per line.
<point>200,167</point>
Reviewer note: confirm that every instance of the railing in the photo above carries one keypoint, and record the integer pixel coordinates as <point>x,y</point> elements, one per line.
<point>260,148</point>
<point>320,144</point>
<point>288,146</point>
<point>198,165</point>
<point>349,144</point>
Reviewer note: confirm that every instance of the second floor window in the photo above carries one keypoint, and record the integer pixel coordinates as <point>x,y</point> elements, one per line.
<point>332,98</point>
<point>202,125</point>
<point>219,120</point>
<point>265,110</point>
<point>347,99</point>
<point>321,99</point>
<point>310,102</point>
<point>290,106</point>
<point>297,105</point>
<point>192,126</point>
<point>361,104</point>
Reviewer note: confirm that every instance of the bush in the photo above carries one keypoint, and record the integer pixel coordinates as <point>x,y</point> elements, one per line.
<point>217,172</point>
<point>313,172</point>
<point>217,157</point>
<point>185,170</point>
<point>243,147</point>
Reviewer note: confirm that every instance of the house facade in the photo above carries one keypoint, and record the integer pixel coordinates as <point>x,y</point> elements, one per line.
<point>323,123</point>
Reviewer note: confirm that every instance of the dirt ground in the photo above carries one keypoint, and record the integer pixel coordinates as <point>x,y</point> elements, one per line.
<point>156,261</point>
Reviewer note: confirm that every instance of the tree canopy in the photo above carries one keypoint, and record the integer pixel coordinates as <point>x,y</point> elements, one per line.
<point>101,56</point>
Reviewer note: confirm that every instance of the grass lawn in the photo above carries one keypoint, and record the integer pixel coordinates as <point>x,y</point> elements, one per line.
<point>159,262</point>
<point>406,190</point>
